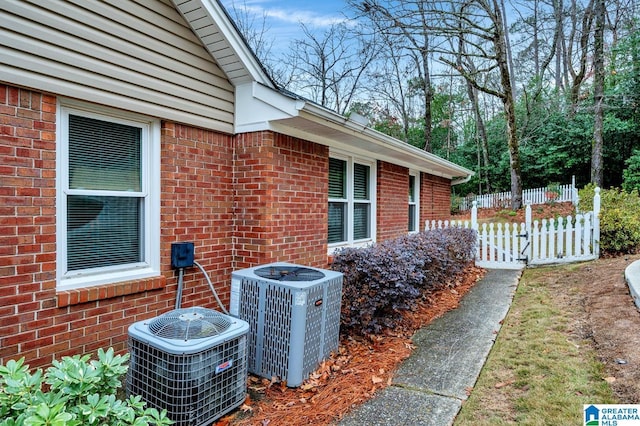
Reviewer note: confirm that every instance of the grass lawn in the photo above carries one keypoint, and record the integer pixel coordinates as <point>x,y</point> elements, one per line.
<point>541,369</point>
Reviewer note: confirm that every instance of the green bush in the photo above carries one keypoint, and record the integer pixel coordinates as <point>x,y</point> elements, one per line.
<point>74,391</point>
<point>631,175</point>
<point>619,219</point>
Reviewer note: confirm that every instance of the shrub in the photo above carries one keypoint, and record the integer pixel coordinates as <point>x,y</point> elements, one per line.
<point>619,219</point>
<point>385,278</point>
<point>631,175</point>
<point>74,391</point>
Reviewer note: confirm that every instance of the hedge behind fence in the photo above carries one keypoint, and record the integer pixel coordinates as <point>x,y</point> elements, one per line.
<point>385,278</point>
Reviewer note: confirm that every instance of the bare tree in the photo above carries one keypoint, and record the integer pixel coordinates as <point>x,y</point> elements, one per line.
<point>540,31</point>
<point>254,28</point>
<point>480,26</point>
<point>329,66</point>
<point>408,22</point>
<point>390,85</point>
<point>464,61</point>
<point>578,38</point>
<point>598,94</point>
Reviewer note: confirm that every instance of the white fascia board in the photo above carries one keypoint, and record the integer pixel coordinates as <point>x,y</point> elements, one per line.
<point>257,106</point>
<point>392,146</point>
<point>261,108</point>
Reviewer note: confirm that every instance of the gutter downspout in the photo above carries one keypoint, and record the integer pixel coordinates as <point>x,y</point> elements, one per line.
<point>460,181</point>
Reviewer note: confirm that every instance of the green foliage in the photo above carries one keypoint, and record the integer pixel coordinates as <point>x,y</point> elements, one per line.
<point>619,219</point>
<point>631,175</point>
<point>79,392</point>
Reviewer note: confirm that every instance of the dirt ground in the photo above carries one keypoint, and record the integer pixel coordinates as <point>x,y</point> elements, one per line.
<point>538,211</point>
<point>604,312</point>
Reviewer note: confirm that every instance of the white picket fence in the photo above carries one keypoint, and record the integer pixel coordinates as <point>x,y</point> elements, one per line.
<point>537,242</point>
<point>559,194</point>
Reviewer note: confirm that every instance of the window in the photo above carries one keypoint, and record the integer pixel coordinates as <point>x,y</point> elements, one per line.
<point>351,207</point>
<point>414,192</point>
<point>108,196</point>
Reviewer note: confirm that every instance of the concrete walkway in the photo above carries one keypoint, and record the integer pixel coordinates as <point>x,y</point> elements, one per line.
<point>430,386</point>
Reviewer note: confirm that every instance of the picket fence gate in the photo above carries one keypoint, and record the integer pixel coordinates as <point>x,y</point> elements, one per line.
<point>537,242</point>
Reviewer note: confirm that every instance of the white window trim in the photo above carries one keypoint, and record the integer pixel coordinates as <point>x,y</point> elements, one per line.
<point>416,202</point>
<point>373,188</point>
<point>151,191</point>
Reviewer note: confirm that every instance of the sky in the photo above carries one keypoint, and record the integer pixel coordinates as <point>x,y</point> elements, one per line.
<point>284,16</point>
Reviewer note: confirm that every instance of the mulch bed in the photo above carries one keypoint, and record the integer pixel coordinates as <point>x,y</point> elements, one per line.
<point>538,211</point>
<point>360,368</point>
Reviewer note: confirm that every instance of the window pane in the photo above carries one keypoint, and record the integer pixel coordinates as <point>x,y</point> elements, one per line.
<point>103,231</point>
<point>412,218</point>
<point>360,182</point>
<point>103,155</point>
<point>337,222</point>
<point>361,221</point>
<point>412,188</point>
<point>337,178</point>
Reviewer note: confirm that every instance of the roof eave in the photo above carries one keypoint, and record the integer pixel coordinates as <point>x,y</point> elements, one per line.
<point>260,108</point>
<point>210,21</point>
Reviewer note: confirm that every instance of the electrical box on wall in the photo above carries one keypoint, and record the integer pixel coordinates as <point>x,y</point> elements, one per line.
<point>182,255</point>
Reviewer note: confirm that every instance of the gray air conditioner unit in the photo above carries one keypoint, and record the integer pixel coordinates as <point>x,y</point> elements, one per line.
<point>191,362</point>
<point>293,313</point>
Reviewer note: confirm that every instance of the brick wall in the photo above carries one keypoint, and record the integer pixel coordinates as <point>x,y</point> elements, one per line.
<point>392,201</point>
<point>196,205</point>
<point>435,198</point>
<point>27,224</point>
<point>281,200</point>
<point>243,201</point>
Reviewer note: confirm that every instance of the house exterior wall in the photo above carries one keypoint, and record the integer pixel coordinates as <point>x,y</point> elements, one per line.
<point>121,54</point>
<point>392,201</point>
<point>281,200</point>
<point>243,200</point>
<point>38,322</point>
<point>435,198</point>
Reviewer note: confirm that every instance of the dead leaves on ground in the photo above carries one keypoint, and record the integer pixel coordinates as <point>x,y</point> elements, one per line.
<point>360,367</point>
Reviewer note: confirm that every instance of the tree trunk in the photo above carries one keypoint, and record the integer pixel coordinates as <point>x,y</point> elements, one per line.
<point>598,95</point>
<point>579,76</point>
<point>428,98</point>
<point>509,109</point>
<point>507,44</point>
<point>514,153</point>
<point>482,133</point>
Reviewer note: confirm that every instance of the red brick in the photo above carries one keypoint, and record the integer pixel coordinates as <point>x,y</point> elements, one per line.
<point>18,338</point>
<point>35,344</point>
<point>243,200</point>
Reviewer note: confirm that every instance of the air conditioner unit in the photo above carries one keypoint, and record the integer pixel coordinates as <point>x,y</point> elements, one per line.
<point>293,313</point>
<point>191,362</point>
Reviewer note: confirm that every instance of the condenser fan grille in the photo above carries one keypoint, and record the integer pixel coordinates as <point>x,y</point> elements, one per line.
<point>189,323</point>
<point>289,273</point>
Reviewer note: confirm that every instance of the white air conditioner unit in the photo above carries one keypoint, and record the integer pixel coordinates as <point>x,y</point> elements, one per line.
<point>191,362</point>
<point>293,313</point>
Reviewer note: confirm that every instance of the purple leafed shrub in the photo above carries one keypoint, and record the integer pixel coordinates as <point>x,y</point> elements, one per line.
<point>385,278</point>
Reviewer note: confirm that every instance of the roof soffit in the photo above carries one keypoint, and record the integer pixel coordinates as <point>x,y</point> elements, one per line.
<point>219,35</point>
<point>260,108</point>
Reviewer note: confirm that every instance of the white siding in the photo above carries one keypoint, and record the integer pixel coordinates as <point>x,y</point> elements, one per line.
<point>137,55</point>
